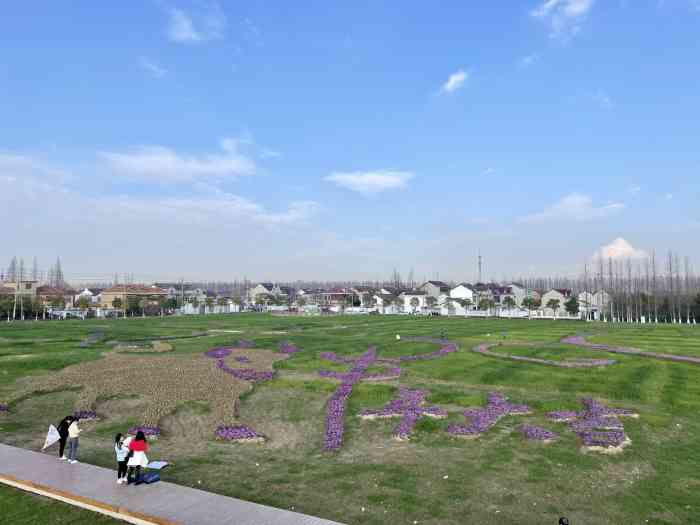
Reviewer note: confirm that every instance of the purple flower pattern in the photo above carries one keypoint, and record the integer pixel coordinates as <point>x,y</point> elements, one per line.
<point>219,352</point>
<point>534,433</point>
<point>335,407</point>
<point>483,419</point>
<point>287,347</point>
<point>598,426</point>
<point>409,407</point>
<point>239,433</point>
<point>85,415</point>
<point>4,408</point>
<point>148,431</point>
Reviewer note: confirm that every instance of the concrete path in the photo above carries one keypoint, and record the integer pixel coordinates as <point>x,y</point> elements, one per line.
<point>161,503</point>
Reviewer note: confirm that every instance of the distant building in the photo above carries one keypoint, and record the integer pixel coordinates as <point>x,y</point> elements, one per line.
<point>52,295</point>
<point>415,301</point>
<point>434,288</point>
<point>126,292</point>
<point>23,287</point>
<point>560,294</point>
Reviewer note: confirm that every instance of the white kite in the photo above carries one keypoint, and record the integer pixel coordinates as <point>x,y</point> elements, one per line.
<point>51,437</point>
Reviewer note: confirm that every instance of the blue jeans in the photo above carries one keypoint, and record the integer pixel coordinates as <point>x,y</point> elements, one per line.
<point>72,448</point>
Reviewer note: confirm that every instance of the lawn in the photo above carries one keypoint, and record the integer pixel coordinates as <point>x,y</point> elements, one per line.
<point>433,478</point>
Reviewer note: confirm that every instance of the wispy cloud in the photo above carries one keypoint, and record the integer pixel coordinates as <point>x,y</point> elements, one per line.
<point>634,189</point>
<point>564,17</point>
<point>153,163</point>
<point>487,172</point>
<point>528,60</point>
<point>185,27</point>
<point>455,81</point>
<point>619,249</point>
<point>668,196</point>
<point>603,100</point>
<point>573,207</point>
<point>152,68</point>
<point>370,182</point>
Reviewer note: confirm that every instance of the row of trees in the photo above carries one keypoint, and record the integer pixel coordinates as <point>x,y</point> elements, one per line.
<point>17,271</point>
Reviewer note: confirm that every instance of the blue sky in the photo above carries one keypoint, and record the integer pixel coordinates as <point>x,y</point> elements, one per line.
<point>282,141</point>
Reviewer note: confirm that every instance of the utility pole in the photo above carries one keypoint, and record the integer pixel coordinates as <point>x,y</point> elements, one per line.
<point>480,268</point>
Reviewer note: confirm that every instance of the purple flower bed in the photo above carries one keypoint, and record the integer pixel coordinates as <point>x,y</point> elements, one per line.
<point>4,408</point>
<point>409,407</point>
<point>286,347</point>
<point>534,433</point>
<point>238,433</point>
<point>596,425</point>
<point>246,374</point>
<point>242,359</point>
<point>483,419</point>
<point>335,408</point>
<point>148,431</point>
<point>245,343</point>
<point>85,415</point>
<point>219,353</point>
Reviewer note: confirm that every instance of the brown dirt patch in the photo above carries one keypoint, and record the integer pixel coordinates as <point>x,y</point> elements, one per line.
<point>162,383</point>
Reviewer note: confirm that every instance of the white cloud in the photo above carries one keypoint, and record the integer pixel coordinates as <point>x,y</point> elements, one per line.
<point>619,249</point>
<point>573,207</point>
<point>370,182</point>
<point>455,81</point>
<point>528,60</point>
<point>199,27</point>
<point>564,17</point>
<point>152,68</point>
<point>162,163</point>
<point>634,190</point>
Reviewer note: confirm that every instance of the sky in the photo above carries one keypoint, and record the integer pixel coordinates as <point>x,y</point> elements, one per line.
<point>316,140</point>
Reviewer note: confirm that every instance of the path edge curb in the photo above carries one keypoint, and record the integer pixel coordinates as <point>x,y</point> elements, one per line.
<point>85,503</point>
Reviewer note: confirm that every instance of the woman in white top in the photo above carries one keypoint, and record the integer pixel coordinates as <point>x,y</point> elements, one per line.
<point>73,441</point>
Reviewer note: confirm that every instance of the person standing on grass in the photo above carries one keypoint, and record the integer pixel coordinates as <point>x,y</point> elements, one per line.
<point>138,460</point>
<point>63,436</point>
<point>121,448</point>
<point>73,440</point>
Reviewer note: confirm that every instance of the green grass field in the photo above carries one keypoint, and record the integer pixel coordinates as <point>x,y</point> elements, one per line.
<point>431,479</point>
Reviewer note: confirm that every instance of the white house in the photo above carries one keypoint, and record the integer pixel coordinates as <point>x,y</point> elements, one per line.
<point>434,288</point>
<point>386,303</point>
<point>414,302</point>
<point>462,291</point>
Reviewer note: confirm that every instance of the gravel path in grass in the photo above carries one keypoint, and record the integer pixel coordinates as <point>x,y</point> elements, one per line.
<point>484,349</point>
<point>579,340</point>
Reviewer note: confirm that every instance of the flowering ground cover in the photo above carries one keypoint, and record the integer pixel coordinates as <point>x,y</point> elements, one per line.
<point>598,426</point>
<point>409,406</point>
<point>335,408</point>
<point>433,479</point>
<point>287,347</point>
<point>481,420</point>
<point>239,433</point>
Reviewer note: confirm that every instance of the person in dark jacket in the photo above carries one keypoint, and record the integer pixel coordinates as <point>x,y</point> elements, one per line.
<point>63,433</point>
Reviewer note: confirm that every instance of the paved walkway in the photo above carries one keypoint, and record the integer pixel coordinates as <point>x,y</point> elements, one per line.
<point>161,503</point>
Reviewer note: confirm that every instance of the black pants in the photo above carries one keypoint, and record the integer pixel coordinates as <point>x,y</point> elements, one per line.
<point>121,469</point>
<point>130,478</point>
<point>62,445</point>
